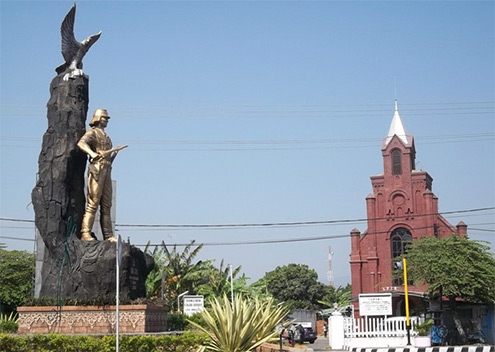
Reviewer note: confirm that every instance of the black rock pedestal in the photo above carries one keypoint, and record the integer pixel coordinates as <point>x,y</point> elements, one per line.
<point>72,268</point>
<point>87,271</point>
<point>59,192</point>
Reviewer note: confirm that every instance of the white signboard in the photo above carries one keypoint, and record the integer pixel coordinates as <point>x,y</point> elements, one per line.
<point>371,304</point>
<point>193,304</point>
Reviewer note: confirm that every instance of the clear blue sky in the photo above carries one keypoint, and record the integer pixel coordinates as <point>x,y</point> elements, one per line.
<point>259,112</point>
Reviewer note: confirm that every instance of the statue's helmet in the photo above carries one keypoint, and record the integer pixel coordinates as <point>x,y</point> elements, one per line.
<point>99,113</point>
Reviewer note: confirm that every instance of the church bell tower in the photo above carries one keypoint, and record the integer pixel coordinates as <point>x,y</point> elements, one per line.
<point>401,208</point>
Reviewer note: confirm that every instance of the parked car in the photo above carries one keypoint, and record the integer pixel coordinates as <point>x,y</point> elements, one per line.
<point>309,335</point>
<point>302,332</point>
<point>297,333</point>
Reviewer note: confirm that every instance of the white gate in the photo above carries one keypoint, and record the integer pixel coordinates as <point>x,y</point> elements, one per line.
<point>376,332</point>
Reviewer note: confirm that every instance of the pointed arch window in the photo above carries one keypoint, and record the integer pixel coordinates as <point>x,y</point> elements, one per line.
<point>399,240</point>
<point>396,162</point>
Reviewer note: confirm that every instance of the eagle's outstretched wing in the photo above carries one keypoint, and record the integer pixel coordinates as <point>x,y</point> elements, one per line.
<point>70,46</point>
<point>72,50</point>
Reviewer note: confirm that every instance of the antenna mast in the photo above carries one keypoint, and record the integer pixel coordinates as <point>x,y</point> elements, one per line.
<point>330,268</point>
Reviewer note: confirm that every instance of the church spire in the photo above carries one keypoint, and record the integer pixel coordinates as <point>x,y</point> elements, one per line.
<point>396,127</point>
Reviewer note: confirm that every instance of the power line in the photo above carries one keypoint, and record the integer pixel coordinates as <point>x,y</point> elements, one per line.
<point>226,228</point>
<point>286,240</point>
<point>453,137</point>
<point>227,146</point>
<point>279,224</point>
<point>300,223</point>
<point>18,238</point>
<point>147,111</point>
<point>17,227</point>
<point>16,220</point>
<point>483,230</point>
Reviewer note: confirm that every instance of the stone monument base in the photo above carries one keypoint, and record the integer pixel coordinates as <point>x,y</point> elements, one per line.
<point>86,320</point>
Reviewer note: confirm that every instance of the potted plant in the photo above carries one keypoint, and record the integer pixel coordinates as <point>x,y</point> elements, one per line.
<point>423,329</point>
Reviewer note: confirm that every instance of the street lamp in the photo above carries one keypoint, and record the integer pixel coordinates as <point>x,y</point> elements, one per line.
<point>178,300</point>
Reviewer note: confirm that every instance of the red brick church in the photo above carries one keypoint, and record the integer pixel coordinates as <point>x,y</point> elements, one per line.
<point>401,208</point>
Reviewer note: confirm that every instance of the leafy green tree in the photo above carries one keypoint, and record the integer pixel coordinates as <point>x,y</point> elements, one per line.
<point>242,326</point>
<point>295,284</point>
<point>16,278</point>
<point>453,267</point>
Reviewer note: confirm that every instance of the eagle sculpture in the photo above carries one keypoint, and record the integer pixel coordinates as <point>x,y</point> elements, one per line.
<point>72,50</point>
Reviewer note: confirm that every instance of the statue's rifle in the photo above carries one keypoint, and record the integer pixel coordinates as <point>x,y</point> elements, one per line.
<point>103,154</point>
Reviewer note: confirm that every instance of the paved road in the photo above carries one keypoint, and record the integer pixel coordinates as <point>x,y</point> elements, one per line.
<point>321,344</point>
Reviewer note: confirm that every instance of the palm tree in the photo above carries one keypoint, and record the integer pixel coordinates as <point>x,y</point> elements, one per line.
<point>176,270</point>
<point>218,283</point>
<point>154,278</point>
<point>340,295</point>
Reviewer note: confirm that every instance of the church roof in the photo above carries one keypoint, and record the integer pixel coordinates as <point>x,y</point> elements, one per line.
<point>396,127</point>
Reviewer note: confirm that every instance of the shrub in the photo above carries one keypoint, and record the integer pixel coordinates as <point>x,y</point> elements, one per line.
<point>187,342</point>
<point>424,328</point>
<point>11,343</point>
<point>8,323</point>
<point>181,322</point>
<point>176,322</point>
<point>197,319</point>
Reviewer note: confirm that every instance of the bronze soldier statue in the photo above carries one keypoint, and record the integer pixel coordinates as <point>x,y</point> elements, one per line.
<point>98,145</point>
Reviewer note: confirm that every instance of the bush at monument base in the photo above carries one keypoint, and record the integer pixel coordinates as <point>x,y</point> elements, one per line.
<point>187,342</point>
